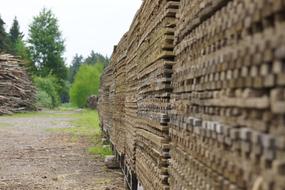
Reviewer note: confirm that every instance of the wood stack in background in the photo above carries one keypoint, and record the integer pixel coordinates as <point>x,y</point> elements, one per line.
<point>194,97</point>
<point>17,94</point>
<point>228,107</point>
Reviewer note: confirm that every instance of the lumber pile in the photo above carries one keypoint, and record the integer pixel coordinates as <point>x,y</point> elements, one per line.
<point>105,104</point>
<point>228,109</point>
<point>155,60</point>
<point>92,102</point>
<point>194,97</point>
<point>17,93</point>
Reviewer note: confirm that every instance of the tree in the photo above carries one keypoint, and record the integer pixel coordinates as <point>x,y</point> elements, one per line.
<point>73,69</point>
<point>81,88</point>
<point>15,33</point>
<point>47,46</point>
<point>16,38</point>
<point>4,40</point>
<point>94,58</point>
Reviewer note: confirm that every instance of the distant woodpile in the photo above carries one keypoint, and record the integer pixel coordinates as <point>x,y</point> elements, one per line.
<point>194,97</point>
<point>17,93</point>
<point>92,102</point>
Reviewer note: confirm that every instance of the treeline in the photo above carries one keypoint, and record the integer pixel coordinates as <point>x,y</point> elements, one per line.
<point>43,50</point>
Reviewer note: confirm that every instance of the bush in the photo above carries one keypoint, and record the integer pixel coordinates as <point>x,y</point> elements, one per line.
<point>86,83</point>
<point>47,91</point>
<point>43,99</point>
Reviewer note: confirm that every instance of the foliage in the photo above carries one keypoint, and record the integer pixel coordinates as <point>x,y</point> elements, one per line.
<point>21,50</point>
<point>86,83</point>
<point>94,58</point>
<point>47,94</point>
<point>78,60</point>
<point>64,90</point>
<point>16,39</point>
<point>75,65</point>
<point>43,99</point>
<point>47,46</point>
<point>15,33</point>
<point>4,40</point>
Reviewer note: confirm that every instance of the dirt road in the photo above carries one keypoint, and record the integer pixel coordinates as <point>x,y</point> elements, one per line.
<point>32,157</point>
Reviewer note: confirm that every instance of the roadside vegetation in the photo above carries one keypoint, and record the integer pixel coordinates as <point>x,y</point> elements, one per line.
<point>42,49</point>
<point>60,86</point>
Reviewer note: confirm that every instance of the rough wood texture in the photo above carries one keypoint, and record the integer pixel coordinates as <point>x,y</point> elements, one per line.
<point>17,93</point>
<point>195,95</point>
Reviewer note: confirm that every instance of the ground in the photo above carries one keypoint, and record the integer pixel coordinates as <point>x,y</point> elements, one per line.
<point>36,154</point>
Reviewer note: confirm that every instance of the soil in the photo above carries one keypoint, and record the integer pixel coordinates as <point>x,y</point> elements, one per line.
<point>33,157</point>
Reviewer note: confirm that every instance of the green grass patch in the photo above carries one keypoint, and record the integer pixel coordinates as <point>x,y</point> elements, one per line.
<point>5,124</point>
<point>86,125</point>
<point>45,114</point>
<point>67,107</point>
<point>33,114</point>
<point>100,150</point>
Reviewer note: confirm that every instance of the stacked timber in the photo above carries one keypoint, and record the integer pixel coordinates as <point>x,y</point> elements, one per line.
<point>17,93</point>
<point>228,109</point>
<point>105,100</point>
<point>155,60</point>
<point>118,136</point>
<point>133,39</point>
<point>194,97</point>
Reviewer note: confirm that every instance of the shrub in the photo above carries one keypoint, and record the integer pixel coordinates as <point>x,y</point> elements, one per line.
<point>47,91</point>
<point>86,83</point>
<point>43,99</point>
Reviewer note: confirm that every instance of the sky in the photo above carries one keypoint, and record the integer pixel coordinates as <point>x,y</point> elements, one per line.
<point>85,24</point>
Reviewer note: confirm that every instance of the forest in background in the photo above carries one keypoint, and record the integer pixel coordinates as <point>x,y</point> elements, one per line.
<point>42,52</point>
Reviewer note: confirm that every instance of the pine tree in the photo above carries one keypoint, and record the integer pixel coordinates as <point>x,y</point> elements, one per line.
<point>94,58</point>
<point>75,65</point>
<point>4,40</point>
<point>16,39</point>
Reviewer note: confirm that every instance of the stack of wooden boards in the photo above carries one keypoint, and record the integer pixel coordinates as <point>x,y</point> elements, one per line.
<point>198,93</point>
<point>17,93</point>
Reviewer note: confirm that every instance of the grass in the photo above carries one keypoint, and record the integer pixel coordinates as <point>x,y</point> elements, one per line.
<point>36,114</point>
<point>86,125</point>
<point>66,107</point>
<point>100,150</point>
<point>4,124</point>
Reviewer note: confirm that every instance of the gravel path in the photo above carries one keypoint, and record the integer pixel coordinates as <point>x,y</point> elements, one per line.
<point>31,158</point>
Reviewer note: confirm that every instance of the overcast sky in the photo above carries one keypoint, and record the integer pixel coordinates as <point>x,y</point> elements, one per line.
<point>85,24</point>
